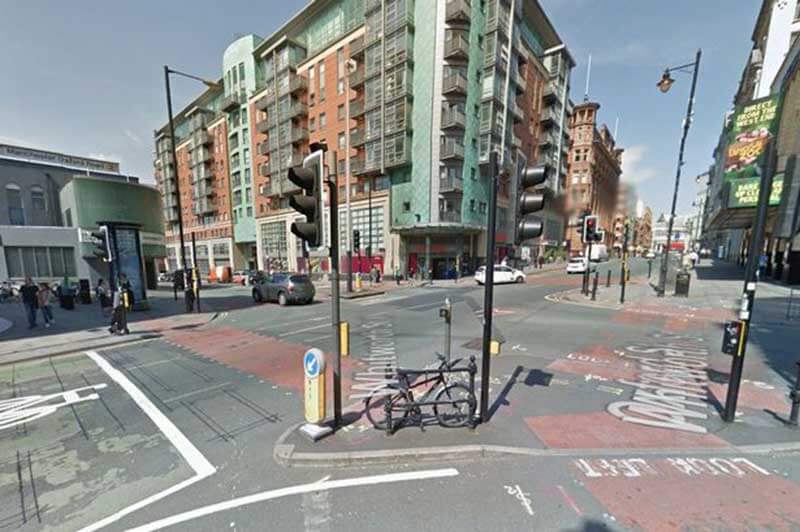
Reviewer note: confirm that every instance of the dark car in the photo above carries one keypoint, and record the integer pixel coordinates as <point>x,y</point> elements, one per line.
<point>284,288</point>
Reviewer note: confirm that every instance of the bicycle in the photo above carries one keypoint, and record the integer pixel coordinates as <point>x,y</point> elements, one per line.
<point>454,405</point>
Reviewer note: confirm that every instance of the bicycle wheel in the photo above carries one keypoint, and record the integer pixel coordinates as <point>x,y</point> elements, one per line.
<point>375,407</point>
<point>459,407</point>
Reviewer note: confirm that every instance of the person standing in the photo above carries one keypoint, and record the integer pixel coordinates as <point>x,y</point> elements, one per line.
<point>30,301</point>
<point>121,301</point>
<point>101,292</point>
<point>44,296</point>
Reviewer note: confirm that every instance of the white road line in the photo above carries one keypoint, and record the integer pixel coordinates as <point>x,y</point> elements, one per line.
<point>186,448</point>
<point>380,300</point>
<point>273,325</point>
<point>433,304</point>
<point>298,331</point>
<point>195,392</point>
<point>320,485</point>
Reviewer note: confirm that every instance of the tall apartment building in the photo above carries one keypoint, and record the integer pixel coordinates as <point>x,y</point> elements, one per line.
<point>594,168</point>
<point>410,96</point>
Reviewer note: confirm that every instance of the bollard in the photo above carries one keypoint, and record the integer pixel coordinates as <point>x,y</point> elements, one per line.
<point>649,267</point>
<point>795,395</point>
<point>608,278</point>
<point>446,312</point>
<point>594,286</point>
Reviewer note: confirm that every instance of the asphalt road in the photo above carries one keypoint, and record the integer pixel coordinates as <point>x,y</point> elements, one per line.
<point>178,433</point>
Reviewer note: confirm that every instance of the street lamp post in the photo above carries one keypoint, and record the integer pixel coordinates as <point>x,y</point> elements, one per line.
<point>664,85</point>
<point>187,289</point>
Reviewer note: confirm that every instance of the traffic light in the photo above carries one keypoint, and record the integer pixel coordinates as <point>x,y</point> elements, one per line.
<point>590,233</point>
<point>527,226</point>
<point>102,244</point>
<point>309,201</point>
<point>356,240</point>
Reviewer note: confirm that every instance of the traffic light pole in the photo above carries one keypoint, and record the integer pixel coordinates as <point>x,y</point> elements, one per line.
<point>624,269</point>
<point>488,291</point>
<point>337,331</point>
<point>750,280</point>
<point>186,287</point>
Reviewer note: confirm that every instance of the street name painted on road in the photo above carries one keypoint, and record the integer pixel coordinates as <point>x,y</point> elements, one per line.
<point>671,390</point>
<point>737,467</point>
<point>382,360</point>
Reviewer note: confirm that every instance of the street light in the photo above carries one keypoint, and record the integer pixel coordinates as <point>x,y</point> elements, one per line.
<point>187,289</point>
<point>664,85</point>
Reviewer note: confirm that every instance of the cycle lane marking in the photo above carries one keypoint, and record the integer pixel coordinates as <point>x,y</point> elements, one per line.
<point>321,485</point>
<point>199,464</point>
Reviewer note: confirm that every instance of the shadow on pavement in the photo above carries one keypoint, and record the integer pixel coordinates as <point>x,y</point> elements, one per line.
<point>534,377</point>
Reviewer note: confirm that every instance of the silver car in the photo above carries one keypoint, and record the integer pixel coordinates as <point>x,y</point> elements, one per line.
<point>283,287</point>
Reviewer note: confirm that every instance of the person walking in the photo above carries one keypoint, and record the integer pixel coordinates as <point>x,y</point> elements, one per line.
<point>101,293</point>
<point>30,301</point>
<point>397,275</point>
<point>43,298</point>
<point>121,302</point>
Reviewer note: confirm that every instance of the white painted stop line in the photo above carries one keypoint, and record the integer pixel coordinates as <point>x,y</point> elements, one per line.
<point>201,466</point>
<point>321,485</point>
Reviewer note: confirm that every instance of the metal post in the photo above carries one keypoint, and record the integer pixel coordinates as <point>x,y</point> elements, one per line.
<point>448,327</point>
<point>488,291</point>
<point>195,275</point>
<point>350,269</point>
<point>186,287</point>
<point>662,283</point>
<point>795,395</point>
<point>750,281</point>
<point>334,254</point>
<point>649,267</point>
<point>369,208</point>
<point>587,273</point>
<point>594,285</point>
<point>624,281</point>
<point>608,278</point>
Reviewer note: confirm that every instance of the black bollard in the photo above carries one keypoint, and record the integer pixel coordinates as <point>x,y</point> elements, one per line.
<point>608,278</point>
<point>795,395</point>
<point>594,286</point>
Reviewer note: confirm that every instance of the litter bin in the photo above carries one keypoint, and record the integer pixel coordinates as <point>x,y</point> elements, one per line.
<point>682,284</point>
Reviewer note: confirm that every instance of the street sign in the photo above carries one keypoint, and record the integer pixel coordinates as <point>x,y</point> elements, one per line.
<point>314,371</point>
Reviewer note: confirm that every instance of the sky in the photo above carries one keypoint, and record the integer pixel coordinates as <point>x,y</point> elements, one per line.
<point>86,77</point>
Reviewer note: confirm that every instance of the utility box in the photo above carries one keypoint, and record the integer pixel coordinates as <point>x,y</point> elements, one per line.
<point>682,284</point>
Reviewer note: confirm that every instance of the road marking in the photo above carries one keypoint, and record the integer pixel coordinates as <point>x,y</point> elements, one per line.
<point>186,448</point>
<point>274,325</point>
<point>19,410</point>
<point>431,304</point>
<point>298,331</point>
<point>195,392</point>
<point>524,498</point>
<point>569,500</point>
<point>320,485</point>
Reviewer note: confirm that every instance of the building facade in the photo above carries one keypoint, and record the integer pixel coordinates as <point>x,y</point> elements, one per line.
<point>626,210</point>
<point>643,236</point>
<point>410,97</point>
<point>593,174</point>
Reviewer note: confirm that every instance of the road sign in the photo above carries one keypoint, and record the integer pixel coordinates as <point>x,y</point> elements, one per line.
<point>314,370</point>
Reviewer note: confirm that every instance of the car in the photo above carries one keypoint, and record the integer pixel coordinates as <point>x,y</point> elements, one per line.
<point>165,277</point>
<point>579,265</point>
<point>650,255</point>
<point>283,287</point>
<point>502,274</point>
<point>241,277</point>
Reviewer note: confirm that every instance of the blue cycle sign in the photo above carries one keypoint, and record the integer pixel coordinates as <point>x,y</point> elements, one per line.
<point>313,363</point>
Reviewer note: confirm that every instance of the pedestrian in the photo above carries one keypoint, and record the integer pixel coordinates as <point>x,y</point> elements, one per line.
<point>397,275</point>
<point>101,292</point>
<point>541,261</point>
<point>122,301</point>
<point>43,298</point>
<point>30,301</point>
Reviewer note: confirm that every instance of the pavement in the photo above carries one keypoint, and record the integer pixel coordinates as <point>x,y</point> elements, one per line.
<point>600,419</point>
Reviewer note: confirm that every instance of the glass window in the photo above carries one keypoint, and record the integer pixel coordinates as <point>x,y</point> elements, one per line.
<point>341,141</point>
<point>321,81</point>
<point>235,76</point>
<point>28,261</point>
<point>241,71</point>
<point>16,212</point>
<point>69,262</point>
<point>14,262</point>
<point>37,199</point>
<point>323,121</point>
<point>42,262</point>
<point>340,112</point>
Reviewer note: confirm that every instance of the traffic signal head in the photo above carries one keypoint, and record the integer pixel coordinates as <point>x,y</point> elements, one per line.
<point>308,201</point>
<point>528,202</point>
<point>356,240</point>
<point>102,244</point>
<point>590,233</point>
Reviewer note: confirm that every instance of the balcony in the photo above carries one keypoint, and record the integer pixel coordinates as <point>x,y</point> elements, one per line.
<point>264,170</point>
<point>550,94</point>
<point>371,5</point>
<point>202,191</point>
<point>516,111</point>
<point>171,214</point>
<point>297,84</point>
<point>451,185</point>
<point>296,110</point>
<point>357,138</point>
<point>450,217</point>
<point>519,81</point>
<point>263,126</point>
<point>549,117</point>
<point>263,102</point>
<point>453,119</point>
<point>356,108</point>
<point>357,47</point>
<point>455,84</point>
<point>298,134</point>
<point>547,140</point>
<point>200,156</point>
<point>202,172</point>
<point>266,190</point>
<point>357,77</point>
<point>516,141</point>
<point>356,165</point>
<point>203,207</point>
<point>229,103</point>
<point>458,11</point>
<point>452,150</point>
<point>405,19</point>
<point>201,138</point>
<point>263,148</point>
<point>457,47</point>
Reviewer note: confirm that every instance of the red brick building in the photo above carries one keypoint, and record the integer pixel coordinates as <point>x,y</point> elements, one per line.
<point>593,175</point>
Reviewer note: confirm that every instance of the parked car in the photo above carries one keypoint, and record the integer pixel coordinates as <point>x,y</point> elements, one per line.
<point>241,277</point>
<point>502,274</point>
<point>284,288</point>
<point>165,277</point>
<point>579,265</point>
<point>255,276</point>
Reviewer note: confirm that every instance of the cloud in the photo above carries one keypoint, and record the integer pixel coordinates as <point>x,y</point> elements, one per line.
<point>634,165</point>
<point>133,136</point>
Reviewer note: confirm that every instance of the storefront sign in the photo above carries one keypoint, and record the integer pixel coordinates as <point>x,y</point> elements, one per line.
<point>744,192</point>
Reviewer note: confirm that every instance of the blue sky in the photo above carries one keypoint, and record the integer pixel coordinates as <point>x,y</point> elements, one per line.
<point>86,77</point>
